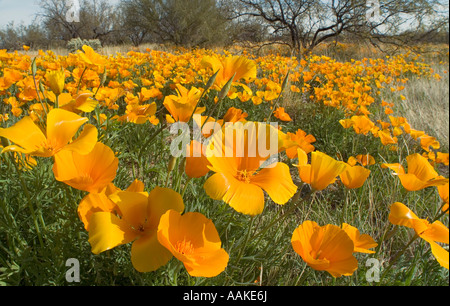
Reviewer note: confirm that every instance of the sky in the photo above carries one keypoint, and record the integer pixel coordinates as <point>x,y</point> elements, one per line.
<point>20,11</point>
<point>23,11</point>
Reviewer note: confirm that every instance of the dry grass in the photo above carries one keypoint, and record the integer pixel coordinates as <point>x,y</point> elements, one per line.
<point>427,105</point>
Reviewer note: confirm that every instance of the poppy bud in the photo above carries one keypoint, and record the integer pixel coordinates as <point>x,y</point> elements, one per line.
<point>172,162</point>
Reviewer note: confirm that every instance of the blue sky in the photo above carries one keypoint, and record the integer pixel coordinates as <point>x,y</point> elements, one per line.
<point>20,11</point>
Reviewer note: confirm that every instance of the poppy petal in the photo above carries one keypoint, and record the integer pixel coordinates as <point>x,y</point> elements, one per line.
<point>440,254</point>
<point>160,200</point>
<point>25,134</point>
<point>92,203</point>
<point>147,254</point>
<point>133,206</point>
<point>108,231</point>
<point>277,182</point>
<point>62,125</point>
<point>85,142</point>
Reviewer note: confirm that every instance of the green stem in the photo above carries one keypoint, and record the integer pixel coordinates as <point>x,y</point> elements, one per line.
<point>30,205</point>
<point>81,77</point>
<point>210,113</point>
<point>247,238</point>
<point>163,126</point>
<point>399,254</point>
<point>185,186</point>
<point>291,209</point>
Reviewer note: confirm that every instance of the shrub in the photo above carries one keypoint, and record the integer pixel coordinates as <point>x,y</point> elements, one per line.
<point>77,43</point>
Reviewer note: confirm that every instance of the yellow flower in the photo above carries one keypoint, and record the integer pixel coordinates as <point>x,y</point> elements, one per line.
<point>443,194</point>
<point>301,140</point>
<point>281,114</point>
<point>239,66</point>
<point>62,125</point>
<point>193,239</point>
<point>140,114</point>
<point>238,179</point>
<point>91,58</point>
<point>400,214</point>
<point>322,171</point>
<point>421,173</point>
<point>90,172</point>
<point>354,176</point>
<point>362,242</point>
<point>325,248</point>
<point>138,222</point>
<point>56,81</point>
<point>182,105</point>
<point>81,103</point>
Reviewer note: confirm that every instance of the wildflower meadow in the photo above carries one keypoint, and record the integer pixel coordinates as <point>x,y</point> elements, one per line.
<point>224,167</point>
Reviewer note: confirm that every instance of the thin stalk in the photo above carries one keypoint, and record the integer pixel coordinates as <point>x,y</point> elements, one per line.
<point>283,86</point>
<point>81,77</point>
<point>291,209</point>
<point>33,72</point>
<point>30,205</point>
<point>163,126</point>
<point>247,238</point>
<point>185,186</point>
<point>399,254</point>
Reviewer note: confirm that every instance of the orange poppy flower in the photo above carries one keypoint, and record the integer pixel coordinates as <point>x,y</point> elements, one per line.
<point>443,193</point>
<point>56,81</point>
<point>325,248</point>
<point>239,66</point>
<point>238,179</point>
<point>96,202</point>
<point>322,171</point>
<point>361,242</point>
<point>183,104</point>
<point>362,124</point>
<point>91,58</point>
<point>298,140</point>
<point>193,239</point>
<point>386,138</point>
<point>421,173</point>
<point>281,114</point>
<point>427,141</point>
<point>354,177</point>
<point>365,159</point>
<point>138,222</point>
<point>140,114</point>
<point>197,165</point>
<point>91,172</point>
<point>346,123</point>
<point>83,102</point>
<point>62,125</point>
<point>400,214</point>
<point>234,115</point>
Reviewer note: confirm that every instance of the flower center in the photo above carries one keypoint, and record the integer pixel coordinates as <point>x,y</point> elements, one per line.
<point>184,247</point>
<point>316,254</point>
<point>244,175</point>
<point>50,145</point>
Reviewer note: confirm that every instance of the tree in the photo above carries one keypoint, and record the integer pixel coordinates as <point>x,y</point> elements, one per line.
<point>309,23</point>
<point>96,19</point>
<point>13,37</point>
<point>181,22</point>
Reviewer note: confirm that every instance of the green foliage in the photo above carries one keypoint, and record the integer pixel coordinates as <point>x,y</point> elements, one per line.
<point>77,43</point>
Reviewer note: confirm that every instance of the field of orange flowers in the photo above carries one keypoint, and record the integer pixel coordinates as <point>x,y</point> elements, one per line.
<point>356,195</point>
